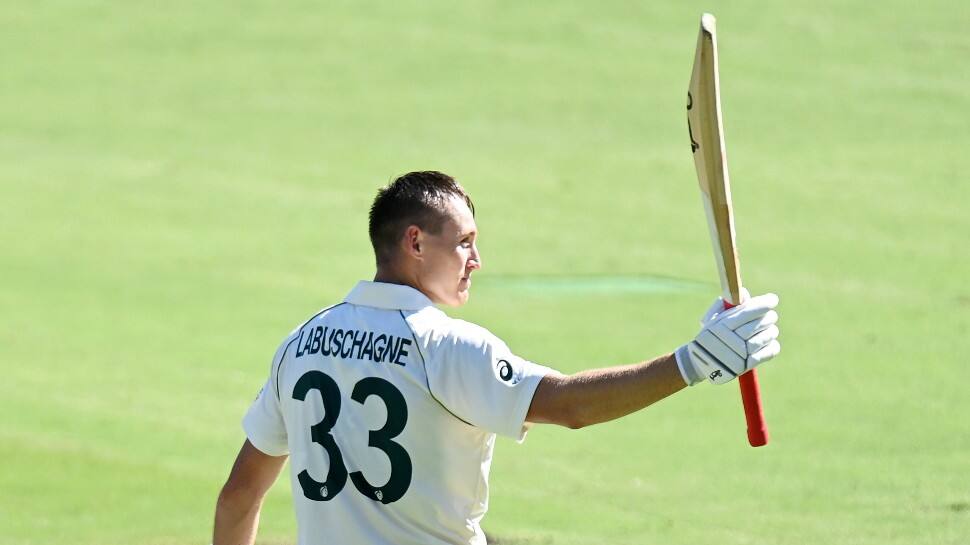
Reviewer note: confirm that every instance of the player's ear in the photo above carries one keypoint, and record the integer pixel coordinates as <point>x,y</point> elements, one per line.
<point>413,241</point>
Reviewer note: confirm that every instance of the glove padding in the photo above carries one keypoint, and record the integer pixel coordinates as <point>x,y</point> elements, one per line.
<point>731,342</point>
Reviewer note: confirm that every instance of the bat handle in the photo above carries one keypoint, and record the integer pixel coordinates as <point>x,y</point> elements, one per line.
<point>751,398</point>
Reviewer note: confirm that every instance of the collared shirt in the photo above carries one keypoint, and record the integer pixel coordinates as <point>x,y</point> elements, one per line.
<point>389,410</point>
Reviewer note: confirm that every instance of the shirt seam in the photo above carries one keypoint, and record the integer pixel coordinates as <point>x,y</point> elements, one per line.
<point>424,364</point>
<point>279,365</point>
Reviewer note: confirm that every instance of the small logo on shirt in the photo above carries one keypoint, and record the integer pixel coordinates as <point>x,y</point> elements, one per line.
<point>505,371</point>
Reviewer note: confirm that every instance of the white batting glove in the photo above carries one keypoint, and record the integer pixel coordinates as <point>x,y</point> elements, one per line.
<point>731,342</point>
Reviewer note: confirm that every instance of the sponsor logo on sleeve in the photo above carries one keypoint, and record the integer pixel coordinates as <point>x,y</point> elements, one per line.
<point>505,371</point>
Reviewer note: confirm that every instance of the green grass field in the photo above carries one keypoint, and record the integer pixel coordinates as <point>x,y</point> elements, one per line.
<point>182,183</point>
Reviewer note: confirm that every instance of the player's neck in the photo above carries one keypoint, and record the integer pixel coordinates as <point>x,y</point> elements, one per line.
<point>392,275</point>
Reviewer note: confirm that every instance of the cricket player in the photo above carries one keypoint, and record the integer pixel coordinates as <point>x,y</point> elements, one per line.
<point>388,409</point>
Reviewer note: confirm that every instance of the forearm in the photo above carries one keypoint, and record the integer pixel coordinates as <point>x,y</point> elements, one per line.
<point>601,395</point>
<point>236,521</point>
<point>237,511</point>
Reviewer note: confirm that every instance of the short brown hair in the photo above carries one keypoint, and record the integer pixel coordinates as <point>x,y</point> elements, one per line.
<point>416,198</point>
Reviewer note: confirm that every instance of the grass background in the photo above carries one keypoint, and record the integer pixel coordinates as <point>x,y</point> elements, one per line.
<point>181,184</point>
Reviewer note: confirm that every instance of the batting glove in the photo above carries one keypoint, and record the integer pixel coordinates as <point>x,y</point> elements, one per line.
<point>731,342</point>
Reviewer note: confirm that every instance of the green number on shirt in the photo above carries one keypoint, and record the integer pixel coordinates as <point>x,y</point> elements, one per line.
<point>320,434</point>
<point>397,417</point>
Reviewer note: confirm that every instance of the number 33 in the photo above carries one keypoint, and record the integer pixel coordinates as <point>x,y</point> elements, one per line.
<point>397,418</point>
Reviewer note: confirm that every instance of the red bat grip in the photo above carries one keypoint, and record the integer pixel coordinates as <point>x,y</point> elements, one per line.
<point>751,398</point>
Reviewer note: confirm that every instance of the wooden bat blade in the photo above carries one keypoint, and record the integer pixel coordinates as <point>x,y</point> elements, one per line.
<point>710,157</point>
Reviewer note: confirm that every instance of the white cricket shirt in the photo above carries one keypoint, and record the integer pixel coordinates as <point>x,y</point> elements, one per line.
<point>389,409</point>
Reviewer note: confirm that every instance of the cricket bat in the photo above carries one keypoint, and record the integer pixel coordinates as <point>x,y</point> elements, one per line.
<point>710,159</point>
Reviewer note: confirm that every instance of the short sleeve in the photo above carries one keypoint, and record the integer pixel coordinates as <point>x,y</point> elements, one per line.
<point>263,422</point>
<point>477,377</point>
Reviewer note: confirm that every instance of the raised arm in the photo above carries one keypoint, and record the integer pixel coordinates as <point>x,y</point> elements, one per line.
<point>601,395</point>
<point>237,511</point>
<point>730,343</point>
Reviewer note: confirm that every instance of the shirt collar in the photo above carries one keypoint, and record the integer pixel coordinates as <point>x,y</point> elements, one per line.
<point>387,296</point>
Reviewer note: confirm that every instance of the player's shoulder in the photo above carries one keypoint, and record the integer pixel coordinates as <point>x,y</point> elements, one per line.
<point>470,333</point>
<point>437,329</point>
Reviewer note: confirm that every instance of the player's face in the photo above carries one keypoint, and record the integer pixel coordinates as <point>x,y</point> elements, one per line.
<point>450,257</point>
